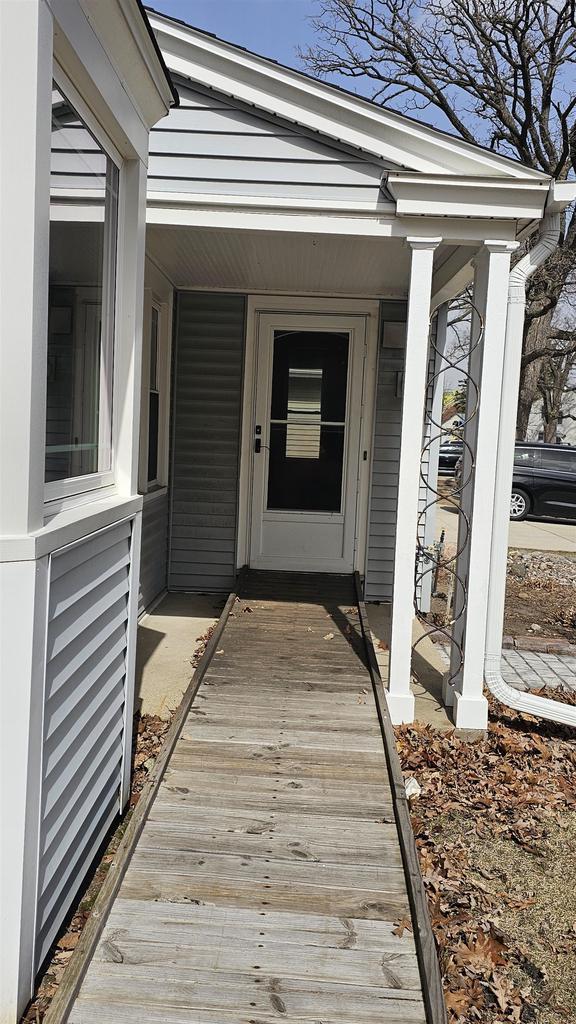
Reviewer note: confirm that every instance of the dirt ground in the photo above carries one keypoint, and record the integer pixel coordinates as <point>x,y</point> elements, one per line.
<point>495,827</point>
<point>540,591</point>
<point>544,602</point>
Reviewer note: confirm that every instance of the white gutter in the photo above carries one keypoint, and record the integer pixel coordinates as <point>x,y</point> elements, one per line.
<point>527,702</point>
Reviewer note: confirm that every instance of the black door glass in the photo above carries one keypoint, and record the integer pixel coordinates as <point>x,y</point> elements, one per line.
<point>307,423</point>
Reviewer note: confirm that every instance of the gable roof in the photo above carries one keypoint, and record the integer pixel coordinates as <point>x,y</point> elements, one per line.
<point>325,108</point>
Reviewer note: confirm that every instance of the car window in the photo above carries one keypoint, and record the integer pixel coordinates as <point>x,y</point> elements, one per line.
<point>527,457</point>
<point>561,461</point>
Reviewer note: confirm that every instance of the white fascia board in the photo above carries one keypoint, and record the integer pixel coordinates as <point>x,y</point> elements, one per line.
<point>323,108</point>
<point>444,196</point>
<point>186,199</point>
<point>460,231</point>
<point>125,36</point>
<point>96,51</point>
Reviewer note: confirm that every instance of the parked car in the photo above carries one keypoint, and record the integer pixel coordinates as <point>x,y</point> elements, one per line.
<point>450,452</point>
<point>544,481</point>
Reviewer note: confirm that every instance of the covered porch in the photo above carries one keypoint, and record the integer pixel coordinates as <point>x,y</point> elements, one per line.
<point>252,455</point>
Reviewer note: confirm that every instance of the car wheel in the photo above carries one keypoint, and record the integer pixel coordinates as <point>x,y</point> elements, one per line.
<point>519,505</point>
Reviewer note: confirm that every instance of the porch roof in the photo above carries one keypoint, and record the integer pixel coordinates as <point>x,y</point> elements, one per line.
<point>325,108</point>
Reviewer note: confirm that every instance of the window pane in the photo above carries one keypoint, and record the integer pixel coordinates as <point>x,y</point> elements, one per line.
<point>83,222</point>
<point>560,461</point>
<point>527,457</point>
<point>154,350</point>
<point>307,428</point>
<point>153,410</point>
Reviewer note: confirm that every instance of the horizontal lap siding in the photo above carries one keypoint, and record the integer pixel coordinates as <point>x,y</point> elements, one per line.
<point>83,717</point>
<point>211,144</point>
<point>154,557</point>
<point>209,349</point>
<point>385,464</point>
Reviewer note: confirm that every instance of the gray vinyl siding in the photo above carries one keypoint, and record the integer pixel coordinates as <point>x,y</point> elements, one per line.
<point>207,400</point>
<point>84,710</point>
<point>214,144</point>
<point>154,556</point>
<point>382,513</point>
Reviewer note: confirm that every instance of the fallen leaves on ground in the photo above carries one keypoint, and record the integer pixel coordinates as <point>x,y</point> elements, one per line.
<point>513,787</point>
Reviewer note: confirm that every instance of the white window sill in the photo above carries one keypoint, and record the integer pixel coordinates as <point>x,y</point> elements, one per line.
<point>69,525</point>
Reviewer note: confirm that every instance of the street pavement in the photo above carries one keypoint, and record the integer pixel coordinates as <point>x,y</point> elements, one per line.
<point>538,536</point>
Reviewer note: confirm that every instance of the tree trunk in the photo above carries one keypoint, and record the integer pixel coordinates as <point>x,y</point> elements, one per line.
<point>551,429</point>
<point>536,338</point>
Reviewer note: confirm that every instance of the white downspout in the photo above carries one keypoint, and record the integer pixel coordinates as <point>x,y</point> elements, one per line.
<point>528,702</point>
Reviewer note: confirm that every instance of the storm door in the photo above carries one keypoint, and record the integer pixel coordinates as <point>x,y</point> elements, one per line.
<point>305,444</point>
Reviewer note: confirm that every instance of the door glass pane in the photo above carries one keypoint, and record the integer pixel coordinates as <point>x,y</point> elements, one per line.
<point>307,423</point>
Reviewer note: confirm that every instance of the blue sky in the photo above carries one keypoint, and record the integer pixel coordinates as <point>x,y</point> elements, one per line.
<point>273,28</point>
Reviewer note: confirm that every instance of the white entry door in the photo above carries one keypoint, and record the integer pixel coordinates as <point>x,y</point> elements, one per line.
<point>306,441</point>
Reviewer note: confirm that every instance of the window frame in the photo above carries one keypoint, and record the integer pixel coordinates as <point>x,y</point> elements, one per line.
<point>76,490</point>
<point>155,308</point>
<point>154,299</point>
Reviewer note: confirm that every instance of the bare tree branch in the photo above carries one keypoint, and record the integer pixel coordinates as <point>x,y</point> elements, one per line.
<point>500,72</point>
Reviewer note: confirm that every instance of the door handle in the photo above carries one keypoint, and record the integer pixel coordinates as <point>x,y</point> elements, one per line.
<point>257,445</point>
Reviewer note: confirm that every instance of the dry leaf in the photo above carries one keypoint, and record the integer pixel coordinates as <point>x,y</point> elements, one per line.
<point>403,925</point>
<point>329,636</point>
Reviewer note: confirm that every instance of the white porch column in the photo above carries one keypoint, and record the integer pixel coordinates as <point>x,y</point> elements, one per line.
<point>400,697</point>
<point>481,434</point>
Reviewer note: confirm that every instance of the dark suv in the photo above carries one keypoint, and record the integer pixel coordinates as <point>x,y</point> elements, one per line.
<point>544,481</point>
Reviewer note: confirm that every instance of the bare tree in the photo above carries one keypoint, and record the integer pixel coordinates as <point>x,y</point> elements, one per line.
<point>501,72</point>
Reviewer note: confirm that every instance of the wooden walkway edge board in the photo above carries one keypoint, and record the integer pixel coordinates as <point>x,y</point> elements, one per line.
<point>63,1000</point>
<point>270,863</point>
<point>423,934</point>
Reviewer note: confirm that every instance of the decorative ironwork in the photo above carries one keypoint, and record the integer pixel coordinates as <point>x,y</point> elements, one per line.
<point>432,559</point>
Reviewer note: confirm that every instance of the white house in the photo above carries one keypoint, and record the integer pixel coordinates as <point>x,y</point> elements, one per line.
<point>263,406</point>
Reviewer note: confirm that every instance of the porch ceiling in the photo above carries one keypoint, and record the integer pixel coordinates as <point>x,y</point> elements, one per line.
<point>296,263</point>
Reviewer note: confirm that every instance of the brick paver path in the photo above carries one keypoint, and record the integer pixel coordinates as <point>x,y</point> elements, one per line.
<point>529,670</point>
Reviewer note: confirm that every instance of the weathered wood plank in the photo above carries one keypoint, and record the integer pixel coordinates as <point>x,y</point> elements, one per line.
<point>354,849</point>
<point>336,902</point>
<point>182,922</point>
<point>390,970</point>
<point>262,821</point>
<point>236,999</point>
<point>265,873</point>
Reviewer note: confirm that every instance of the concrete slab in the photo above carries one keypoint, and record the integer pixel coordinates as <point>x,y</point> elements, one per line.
<point>428,667</point>
<point>536,536</point>
<point>168,638</point>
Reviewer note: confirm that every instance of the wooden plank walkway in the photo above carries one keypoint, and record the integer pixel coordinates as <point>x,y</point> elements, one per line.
<point>268,877</point>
